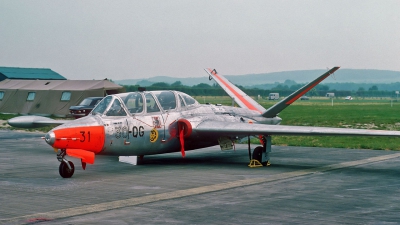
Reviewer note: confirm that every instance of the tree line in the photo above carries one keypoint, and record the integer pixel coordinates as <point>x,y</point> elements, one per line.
<point>203,89</point>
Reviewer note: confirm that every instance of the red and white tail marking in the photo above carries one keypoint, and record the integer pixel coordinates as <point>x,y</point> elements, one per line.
<point>241,98</point>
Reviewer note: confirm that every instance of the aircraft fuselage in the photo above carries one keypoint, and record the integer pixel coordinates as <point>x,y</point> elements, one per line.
<point>150,133</point>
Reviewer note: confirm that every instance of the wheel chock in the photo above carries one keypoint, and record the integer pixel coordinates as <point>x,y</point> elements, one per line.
<point>255,163</point>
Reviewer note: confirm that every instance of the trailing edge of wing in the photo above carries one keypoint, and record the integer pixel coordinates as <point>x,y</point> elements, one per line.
<point>241,98</point>
<point>278,107</point>
<point>214,128</point>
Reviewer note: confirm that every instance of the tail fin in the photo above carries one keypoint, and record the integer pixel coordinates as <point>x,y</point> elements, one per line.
<point>278,107</point>
<point>245,101</point>
<point>241,98</point>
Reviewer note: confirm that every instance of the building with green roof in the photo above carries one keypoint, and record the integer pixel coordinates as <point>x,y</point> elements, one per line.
<point>30,91</point>
<point>29,74</point>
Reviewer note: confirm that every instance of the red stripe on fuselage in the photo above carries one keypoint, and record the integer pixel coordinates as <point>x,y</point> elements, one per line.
<point>248,104</point>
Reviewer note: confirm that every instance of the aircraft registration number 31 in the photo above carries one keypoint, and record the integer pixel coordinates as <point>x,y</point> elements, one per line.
<point>84,136</point>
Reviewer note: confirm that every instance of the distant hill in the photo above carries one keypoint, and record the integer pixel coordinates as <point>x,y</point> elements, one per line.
<point>366,76</point>
<point>189,81</point>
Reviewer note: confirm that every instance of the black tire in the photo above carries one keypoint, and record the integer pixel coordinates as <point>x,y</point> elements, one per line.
<point>257,153</point>
<point>64,171</point>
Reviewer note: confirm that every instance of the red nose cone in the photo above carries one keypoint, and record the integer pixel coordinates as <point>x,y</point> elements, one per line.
<point>90,138</point>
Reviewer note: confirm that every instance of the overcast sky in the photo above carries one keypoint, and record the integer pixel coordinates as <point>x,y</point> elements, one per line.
<point>137,39</point>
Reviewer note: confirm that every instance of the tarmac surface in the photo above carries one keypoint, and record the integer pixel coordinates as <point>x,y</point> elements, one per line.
<point>303,185</point>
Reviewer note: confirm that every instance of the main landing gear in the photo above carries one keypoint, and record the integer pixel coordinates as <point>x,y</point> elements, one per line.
<point>66,168</point>
<point>260,156</point>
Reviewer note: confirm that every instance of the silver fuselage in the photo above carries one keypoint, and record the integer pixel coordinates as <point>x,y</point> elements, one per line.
<point>133,133</point>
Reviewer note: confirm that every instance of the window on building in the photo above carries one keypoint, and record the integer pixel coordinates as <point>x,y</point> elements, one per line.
<point>66,96</point>
<point>31,96</point>
<point>1,95</point>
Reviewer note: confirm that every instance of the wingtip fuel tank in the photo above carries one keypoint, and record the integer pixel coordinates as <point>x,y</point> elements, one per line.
<point>31,121</point>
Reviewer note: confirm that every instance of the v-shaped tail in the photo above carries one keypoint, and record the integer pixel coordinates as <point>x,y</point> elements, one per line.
<point>245,101</point>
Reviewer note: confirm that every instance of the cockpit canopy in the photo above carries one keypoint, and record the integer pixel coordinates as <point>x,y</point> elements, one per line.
<point>143,102</point>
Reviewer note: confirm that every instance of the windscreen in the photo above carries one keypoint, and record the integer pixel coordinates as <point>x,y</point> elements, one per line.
<point>102,106</point>
<point>116,109</point>
<point>85,101</point>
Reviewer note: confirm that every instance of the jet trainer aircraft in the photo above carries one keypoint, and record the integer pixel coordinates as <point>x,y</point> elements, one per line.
<point>155,122</point>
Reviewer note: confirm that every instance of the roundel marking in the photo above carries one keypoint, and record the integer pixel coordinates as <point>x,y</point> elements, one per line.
<point>153,135</point>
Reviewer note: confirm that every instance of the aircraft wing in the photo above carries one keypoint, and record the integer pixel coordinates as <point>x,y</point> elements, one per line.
<point>34,121</point>
<point>214,128</point>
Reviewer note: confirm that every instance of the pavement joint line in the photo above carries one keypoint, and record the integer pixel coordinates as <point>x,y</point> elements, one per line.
<point>99,207</point>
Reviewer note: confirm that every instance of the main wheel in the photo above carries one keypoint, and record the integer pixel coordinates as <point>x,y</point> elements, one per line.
<point>257,153</point>
<point>65,172</point>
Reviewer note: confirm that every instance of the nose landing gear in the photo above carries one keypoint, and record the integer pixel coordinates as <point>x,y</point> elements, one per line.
<point>66,168</point>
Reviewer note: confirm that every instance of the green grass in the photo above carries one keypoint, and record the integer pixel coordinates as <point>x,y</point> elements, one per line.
<point>6,116</point>
<point>360,114</point>
<point>378,143</point>
<point>353,115</point>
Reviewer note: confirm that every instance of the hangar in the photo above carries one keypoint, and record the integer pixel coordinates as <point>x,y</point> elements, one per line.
<point>48,96</point>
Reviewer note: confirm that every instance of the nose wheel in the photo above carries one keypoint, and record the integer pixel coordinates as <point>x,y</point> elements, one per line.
<point>66,168</point>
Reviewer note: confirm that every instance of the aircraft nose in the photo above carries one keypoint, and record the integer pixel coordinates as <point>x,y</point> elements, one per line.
<point>90,138</point>
<point>50,138</point>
